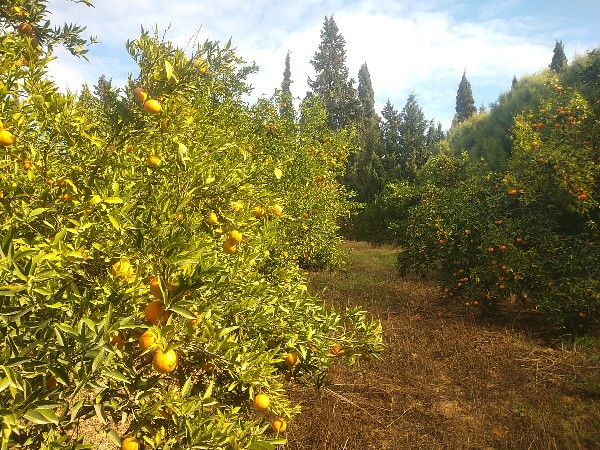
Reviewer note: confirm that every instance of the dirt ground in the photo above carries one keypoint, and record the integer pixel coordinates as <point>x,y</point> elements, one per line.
<point>450,377</point>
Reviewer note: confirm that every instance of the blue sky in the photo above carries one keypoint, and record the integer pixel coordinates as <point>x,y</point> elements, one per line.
<point>409,46</point>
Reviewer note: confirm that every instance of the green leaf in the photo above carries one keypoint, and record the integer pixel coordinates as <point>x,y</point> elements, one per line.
<point>187,387</point>
<point>41,416</point>
<point>99,359</point>
<point>37,212</point>
<point>261,445</point>
<point>114,222</point>
<point>99,408</point>
<point>116,376</point>
<point>114,437</point>
<point>183,312</point>
<point>113,200</point>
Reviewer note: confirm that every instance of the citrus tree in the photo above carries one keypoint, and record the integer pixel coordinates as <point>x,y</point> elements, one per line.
<point>143,279</point>
<point>528,235</point>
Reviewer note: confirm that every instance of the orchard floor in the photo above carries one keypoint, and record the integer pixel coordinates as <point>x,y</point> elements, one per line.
<point>450,377</point>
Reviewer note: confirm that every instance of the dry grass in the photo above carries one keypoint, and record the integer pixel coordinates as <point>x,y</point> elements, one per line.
<point>449,378</point>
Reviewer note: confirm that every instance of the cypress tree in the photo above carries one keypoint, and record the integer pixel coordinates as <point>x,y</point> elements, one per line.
<point>465,104</point>
<point>559,59</point>
<point>331,80</point>
<point>286,109</point>
<point>413,137</point>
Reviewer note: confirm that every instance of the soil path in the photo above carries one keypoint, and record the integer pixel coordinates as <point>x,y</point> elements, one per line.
<point>449,378</point>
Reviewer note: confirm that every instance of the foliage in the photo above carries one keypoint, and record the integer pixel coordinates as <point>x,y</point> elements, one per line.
<point>529,235</point>
<point>163,208</point>
<point>332,81</point>
<point>559,59</point>
<point>465,103</point>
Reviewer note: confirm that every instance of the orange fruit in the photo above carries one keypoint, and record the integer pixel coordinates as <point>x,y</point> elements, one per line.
<point>155,310</point>
<point>279,425</point>
<point>153,161</point>
<point>235,236</point>
<point>337,349</point>
<point>165,362</point>
<point>123,270</point>
<point>512,192</point>
<point>582,196</point>
<point>277,210</point>
<point>258,211</point>
<point>130,444</point>
<point>25,29</point>
<point>27,165</point>
<point>230,247</point>
<point>117,341</point>
<point>291,359</point>
<point>51,383</point>
<point>147,340</point>
<point>236,206</point>
<point>212,219</point>
<point>155,288</point>
<point>6,138</point>
<point>152,106</point>
<point>582,314</point>
<point>140,95</point>
<point>261,401</point>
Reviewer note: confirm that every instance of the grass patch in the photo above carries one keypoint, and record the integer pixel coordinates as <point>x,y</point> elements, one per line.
<point>449,377</point>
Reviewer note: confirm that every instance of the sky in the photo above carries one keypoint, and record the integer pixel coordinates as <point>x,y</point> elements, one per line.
<point>409,46</point>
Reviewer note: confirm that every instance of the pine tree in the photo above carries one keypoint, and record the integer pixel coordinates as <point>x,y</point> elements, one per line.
<point>559,59</point>
<point>331,80</point>
<point>287,108</point>
<point>465,104</point>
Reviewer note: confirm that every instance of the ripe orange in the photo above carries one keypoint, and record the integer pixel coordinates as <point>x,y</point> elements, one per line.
<point>152,106</point>
<point>117,341</point>
<point>130,444</point>
<point>230,247</point>
<point>212,219</point>
<point>140,95</point>
<point>258,211</point>
<point>155,288</point>
<point>279,425</point>
<point>235,236</point>
<point>165,362</point>
<point>51,383</point>
<point>6,138</point>
<point>261,401</point>
<point>123,270</point>
<point>27,165</point>
<point>512,192</point>
<point>236,206</point>
<point>25,29</point>
<point>582,196</point>
<point>582,314</point>
<point>147,340</point>
<point>155,310</point>
<point>277,210</point>
<point>153,161</point>
<point>337,349</point>
<point>291,359</point>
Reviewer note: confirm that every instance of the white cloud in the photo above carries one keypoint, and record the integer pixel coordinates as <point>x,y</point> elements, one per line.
<point>422,47</point>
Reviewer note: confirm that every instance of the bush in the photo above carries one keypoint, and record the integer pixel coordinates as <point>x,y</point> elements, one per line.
<point>140,274</point>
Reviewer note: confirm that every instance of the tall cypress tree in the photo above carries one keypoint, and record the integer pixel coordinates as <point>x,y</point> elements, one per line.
<point>390,149</point>
<point>364,167</point>
<point>286,108</point>
<point>465,104</point>
<point>331,80</point>
<point>559,59</point>
<point>413,137</point>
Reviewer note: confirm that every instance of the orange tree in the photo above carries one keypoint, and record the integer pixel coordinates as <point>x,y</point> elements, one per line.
<point>529,235</point>
<point>138,282</point>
